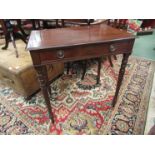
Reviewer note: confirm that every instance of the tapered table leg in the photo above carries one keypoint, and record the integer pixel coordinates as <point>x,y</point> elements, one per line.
<point>120,77</point>
<point>42,76</point>
<point>47,81</point>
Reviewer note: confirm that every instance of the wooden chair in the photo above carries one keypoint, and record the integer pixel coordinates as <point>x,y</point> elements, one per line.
<point>45,23</point>
<point>70,23</point>
<point>1,32</point>
<point>118,23</point>
<point>83,22</point>
<point>11,32</point>
<point>50,23</point>
<point>76,22</point>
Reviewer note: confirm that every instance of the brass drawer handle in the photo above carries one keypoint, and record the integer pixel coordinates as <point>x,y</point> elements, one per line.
<point>60,54</point>
<point>112,48</point>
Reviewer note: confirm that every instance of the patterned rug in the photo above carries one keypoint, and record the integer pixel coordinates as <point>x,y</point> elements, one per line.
<point>82,107</point>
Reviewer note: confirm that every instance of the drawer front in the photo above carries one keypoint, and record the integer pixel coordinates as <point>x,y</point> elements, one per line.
<point>86,52</point>
<point>121,47</point>
<point>74,53</point>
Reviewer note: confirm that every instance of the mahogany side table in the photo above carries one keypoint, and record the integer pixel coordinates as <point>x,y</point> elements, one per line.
<point>77,43</point>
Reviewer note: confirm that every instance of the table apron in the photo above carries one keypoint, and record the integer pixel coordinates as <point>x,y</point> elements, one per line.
<point>80,53</point>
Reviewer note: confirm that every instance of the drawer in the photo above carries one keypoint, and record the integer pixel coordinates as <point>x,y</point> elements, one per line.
<point>86,51</point>
<point>74,53</point>
<point>120,47</point>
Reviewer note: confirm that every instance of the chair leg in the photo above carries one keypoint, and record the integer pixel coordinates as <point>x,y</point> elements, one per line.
<point>23,32</point>
<point>19,25</point>
<point>110,61</point>
<point>22,37</point>
<point>99,70</point>
<point>68,67</point>
<point>7,39</point>
<point>14,44</point>
<point>84,69</point>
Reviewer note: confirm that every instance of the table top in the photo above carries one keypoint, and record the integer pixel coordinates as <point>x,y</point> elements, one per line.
<point>74,36</point>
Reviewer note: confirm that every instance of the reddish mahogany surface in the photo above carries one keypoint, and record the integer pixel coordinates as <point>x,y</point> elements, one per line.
<point>56,38</point>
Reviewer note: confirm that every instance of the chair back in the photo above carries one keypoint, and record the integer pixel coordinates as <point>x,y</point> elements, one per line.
<point>118,23</point>
<point>76,22</point>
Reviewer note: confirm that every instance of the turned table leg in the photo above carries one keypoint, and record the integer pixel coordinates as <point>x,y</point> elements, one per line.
<point>42,76</point>
<point>120,76</point>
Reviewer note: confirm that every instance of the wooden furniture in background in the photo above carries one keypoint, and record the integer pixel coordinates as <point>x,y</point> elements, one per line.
<point>78,43</point>
<point>1,31</point>
<point>148,23</point>
<point>39,24</point>
<point>118,23</point>
<point>76,22</point>
<point>83,63</point>
<point>11,32</point>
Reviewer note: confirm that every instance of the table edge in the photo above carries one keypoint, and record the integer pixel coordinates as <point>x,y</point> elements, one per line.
<point>80,44</point>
